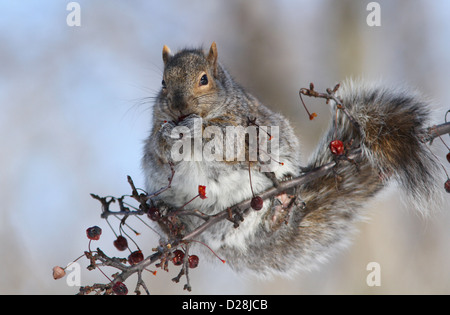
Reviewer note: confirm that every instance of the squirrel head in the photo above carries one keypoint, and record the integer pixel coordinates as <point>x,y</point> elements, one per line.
<point>189,80</point>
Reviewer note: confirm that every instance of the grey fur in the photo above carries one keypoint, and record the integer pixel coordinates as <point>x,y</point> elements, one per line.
<point>391,123</point>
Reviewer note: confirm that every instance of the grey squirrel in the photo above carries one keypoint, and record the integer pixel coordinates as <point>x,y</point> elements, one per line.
<point>386,127</point>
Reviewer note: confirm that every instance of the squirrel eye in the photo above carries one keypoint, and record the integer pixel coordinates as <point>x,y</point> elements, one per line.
<point>163,83</point>
<point>204,80</point>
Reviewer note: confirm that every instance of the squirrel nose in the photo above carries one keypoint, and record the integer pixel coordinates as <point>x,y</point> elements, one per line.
<point>179,101</point>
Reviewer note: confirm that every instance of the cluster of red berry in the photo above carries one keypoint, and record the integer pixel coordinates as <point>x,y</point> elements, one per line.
<point>121,243</point>
<point>178,258</point>
<point>93,233</point>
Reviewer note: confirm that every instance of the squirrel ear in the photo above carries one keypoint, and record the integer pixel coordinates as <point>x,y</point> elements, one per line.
<point>166,54</point>
<point>212,57</point>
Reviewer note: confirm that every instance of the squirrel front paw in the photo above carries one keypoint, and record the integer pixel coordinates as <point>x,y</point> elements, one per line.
<point>189,126</point>
<point>186,126</point>
<point>172,134</point>
<point>165,131</point>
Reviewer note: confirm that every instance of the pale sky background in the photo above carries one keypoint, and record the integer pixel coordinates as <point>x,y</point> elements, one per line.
<point>74,114</point>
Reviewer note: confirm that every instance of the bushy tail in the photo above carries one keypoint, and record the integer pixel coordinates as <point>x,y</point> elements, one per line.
<point>392,123</point>
<point>386,127</point>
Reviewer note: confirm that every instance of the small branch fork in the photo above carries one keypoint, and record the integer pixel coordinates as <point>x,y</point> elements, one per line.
<point>164,252</point>
<point>329,95</point>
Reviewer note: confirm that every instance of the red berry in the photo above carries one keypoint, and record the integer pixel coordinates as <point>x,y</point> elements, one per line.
<point>135,257</point>
<point>121,243</point>
<point>202,191</point>
<point>178,257</point>
<point>448,157</point>
<point>257,203</point>
<point>154,214</point>
<point>447,185</point>
<point>93,233</point>
<point>119,288</point>
<point>193,261</point>
<point>337,147</point>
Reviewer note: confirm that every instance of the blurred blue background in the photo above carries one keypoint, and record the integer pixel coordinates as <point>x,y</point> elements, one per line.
<point>75,108</point>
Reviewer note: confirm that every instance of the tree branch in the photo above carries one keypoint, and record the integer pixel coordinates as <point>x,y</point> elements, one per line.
<point>164,252</point>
